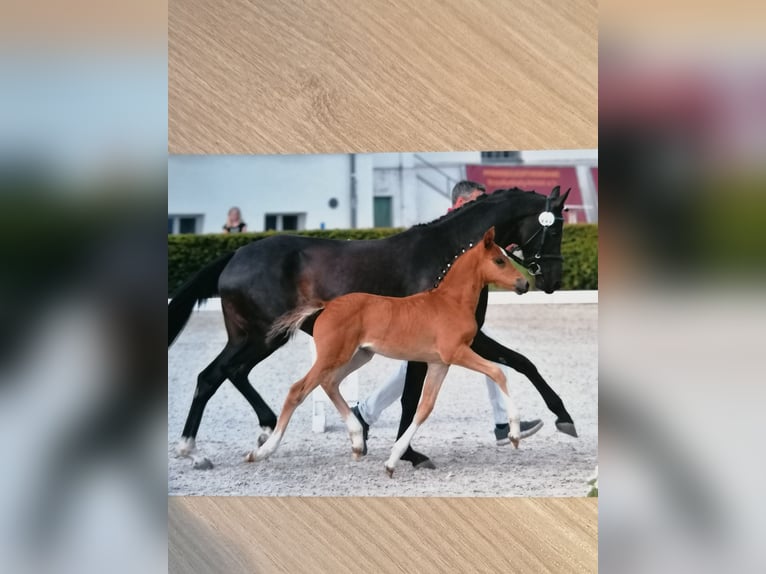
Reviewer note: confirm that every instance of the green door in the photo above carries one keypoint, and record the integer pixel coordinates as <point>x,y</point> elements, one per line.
<point>382,212</point>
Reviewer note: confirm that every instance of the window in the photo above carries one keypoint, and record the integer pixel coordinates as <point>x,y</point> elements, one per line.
<point>501,157</point>
<point>290,222</point>
<point>187,225</point>
<point>284,221</point>
<point>382,211</point>
<point>184,224</point>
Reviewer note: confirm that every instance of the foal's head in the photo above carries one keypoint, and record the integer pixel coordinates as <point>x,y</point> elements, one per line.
<point>496,267</point>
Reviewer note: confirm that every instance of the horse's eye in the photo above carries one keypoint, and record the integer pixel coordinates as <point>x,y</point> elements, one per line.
<point>500,261</point>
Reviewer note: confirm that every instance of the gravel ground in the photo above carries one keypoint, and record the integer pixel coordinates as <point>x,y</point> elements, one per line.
<point>562,340</point>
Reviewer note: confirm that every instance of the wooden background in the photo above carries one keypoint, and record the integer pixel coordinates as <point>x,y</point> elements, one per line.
<point>371,535</point>
<point>250,76</point>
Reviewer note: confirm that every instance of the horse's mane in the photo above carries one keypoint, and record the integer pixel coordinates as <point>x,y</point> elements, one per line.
<point>479,200</point>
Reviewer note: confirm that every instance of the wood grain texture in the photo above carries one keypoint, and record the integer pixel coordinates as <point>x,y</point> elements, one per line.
<point>338,535</point>
<point>266,76</point>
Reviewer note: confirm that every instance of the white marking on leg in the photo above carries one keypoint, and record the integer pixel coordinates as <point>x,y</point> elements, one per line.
<point>268,448</point>
<point>515,420</point>
<point>264,435</point>
<point>186,446</point>
<point>355,431</point>
<point>400,446</point>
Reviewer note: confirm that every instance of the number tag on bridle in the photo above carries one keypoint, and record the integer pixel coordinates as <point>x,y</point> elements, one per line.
<point>546,219</point>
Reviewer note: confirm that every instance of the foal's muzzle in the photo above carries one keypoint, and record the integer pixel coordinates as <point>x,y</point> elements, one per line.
<point>522,286</point>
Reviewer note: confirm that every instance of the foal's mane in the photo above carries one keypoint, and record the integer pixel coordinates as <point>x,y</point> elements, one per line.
<point>484,198</point>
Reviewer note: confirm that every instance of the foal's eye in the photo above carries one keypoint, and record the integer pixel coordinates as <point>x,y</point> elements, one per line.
<point>500,261</point>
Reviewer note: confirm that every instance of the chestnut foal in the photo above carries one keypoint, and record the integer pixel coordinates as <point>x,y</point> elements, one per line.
<point>435,327</point>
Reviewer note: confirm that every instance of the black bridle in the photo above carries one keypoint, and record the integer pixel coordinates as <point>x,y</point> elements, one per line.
<point>532,263</point>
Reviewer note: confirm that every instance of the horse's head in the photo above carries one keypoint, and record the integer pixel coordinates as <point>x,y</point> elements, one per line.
<point>538,247</point>
<point>496,267</point>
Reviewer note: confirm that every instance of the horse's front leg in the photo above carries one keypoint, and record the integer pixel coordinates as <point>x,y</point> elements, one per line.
<point>413,388</point>
<point>434,379</point>
<point>467,358</point>
<point>493,351</point>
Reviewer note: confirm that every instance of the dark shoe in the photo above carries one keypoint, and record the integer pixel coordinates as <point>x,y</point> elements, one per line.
<point>365,426</point>
<point>528,428</point>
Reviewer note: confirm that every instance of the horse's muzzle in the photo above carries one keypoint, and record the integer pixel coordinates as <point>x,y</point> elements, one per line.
<point>522,286</point>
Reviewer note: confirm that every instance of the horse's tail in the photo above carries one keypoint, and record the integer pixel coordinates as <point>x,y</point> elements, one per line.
<point>202,285</point>
<point>291,321</point>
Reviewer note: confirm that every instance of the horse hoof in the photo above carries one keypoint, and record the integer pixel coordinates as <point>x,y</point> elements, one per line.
<point>356,454</point>
<point>515,442</point>
<point>425,464</point>
<point>418,459</point>
<point>390,471</point>
<point>567,428</point>
<point>202,464</point>
<point>250,457</point>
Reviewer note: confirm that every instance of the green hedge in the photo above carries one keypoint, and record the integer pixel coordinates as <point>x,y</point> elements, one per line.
<point>188,253</point>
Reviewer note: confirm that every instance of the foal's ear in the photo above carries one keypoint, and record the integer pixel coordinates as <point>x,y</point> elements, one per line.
<point>489,237</point>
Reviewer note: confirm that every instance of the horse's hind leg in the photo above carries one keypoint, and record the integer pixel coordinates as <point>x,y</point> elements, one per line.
<point>237,373</point>
<point>434,379</point>
<point>297,394</point>
<point>332,388</point>
<point>208,382</point>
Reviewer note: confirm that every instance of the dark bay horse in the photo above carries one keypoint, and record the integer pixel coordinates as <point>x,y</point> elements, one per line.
<point>435,326</point>
<point>264,280</point>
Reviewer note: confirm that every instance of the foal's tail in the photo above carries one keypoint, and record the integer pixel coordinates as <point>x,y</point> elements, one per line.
<point>202,285</point>
<point>291,321</point>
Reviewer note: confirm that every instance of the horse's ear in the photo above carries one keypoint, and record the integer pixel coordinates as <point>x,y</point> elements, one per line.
<point>489,237</point>
<point>559,202</point>
<point>556,191</point>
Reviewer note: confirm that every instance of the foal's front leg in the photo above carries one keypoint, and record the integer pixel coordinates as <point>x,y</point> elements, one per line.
<point>434,379</point>
<point>465,357</point>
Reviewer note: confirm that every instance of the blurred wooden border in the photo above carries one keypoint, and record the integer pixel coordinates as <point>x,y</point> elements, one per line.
<point>317,535</point>
<point>268,76</point>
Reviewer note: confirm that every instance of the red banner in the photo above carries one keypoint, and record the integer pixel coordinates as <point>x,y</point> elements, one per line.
<point>541,179</point>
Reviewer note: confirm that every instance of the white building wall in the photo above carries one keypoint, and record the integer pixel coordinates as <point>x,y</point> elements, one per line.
<point>285,184</point>
<point>210,185</point>
<point>401,176</point>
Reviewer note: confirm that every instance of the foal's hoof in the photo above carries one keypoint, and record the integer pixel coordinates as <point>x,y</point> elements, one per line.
<point>356,453</point>
<point>515,442</point>
<point>390,471</point>
<point>250,456</point>
<point>567,428</point>
<point>202,464</point>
